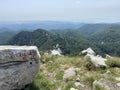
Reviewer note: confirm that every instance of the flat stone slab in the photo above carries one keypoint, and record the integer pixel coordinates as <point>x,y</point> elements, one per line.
<point>18,66</point>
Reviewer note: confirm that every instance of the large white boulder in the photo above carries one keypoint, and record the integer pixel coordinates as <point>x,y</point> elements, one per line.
<point>88,51</point>
<point>108,56</point>
<point>98,61</point>
<point>18,66</point>
<point>57,52</point>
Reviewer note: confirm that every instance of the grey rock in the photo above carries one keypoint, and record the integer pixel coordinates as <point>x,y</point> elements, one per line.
<point>73,89</point>
<point>88,51</point>
<point>70,72</point>
<point>18,66</point>
<point>106,84</point>
<point>98,61</point>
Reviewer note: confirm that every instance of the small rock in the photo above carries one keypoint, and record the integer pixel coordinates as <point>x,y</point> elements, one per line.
<point>73,89</point>
<point>78,84</point>
<point>118,84</point>
<point>107,72</point>
<point>70,72</point>
<point>59,88</point>
<point>50,61</point>
<point>77,69</point>
<point>108,56</point>
<point>107,84</point>
<point>88,51</point>
<point>78,80</point>
<point>118,78</point>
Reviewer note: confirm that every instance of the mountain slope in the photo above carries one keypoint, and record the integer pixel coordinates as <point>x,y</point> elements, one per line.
<point>48,25</point>
<point>6,35</point>
<point>109,35</point>
<point>105,40</point>
<point>46,40</point>
<point>108,40</point>
<point>90,29</point>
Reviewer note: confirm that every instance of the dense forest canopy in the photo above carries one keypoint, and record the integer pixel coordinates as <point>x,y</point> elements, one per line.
<point>104,38</point>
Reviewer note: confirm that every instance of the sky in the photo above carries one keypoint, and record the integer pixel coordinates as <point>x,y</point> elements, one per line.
<point>60,10</point>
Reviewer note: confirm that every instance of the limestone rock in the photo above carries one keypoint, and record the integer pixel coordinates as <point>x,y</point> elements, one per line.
<point>88,51</point>
<point>70,72</point>
<point>78,84</point>
<point>106,84</point>
<point>98,61</point>
<point>108,56</point>
<point>117,78</point>
<point>73,89</point>
<point>118,84</point>
<point>57,52</point>
<point>18,66</point>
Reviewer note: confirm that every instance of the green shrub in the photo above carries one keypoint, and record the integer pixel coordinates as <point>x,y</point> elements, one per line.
<point>113,62</point>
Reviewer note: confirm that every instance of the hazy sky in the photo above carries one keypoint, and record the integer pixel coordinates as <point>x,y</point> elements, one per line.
<point>63,10</point>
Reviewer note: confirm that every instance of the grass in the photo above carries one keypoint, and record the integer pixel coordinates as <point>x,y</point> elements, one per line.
<point>89,80</point>
<point>41,82</point>
<point>98,87</point>
<point>113,62</point>
<point>87,73</point>
<point>69,85</point>
<point>59,75</point>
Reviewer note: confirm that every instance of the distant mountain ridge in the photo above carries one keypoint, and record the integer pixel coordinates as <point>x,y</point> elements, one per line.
<point>48,25</point>
<point>103,38</point>
<point>46,40</point>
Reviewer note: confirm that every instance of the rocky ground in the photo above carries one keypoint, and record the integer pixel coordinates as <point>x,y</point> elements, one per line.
<point>76,73</point>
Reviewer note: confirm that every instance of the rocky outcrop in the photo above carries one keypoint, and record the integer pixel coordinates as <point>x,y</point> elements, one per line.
<point>98,61</point>
<point>108,85</point>
<point>88,51</point>
<point>18,66</point>
<point>56,52</point>
<point>108,56</point>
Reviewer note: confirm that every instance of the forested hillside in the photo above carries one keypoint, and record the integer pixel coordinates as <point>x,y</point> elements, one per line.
<point>104,38</point>
<point>46,40</point>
